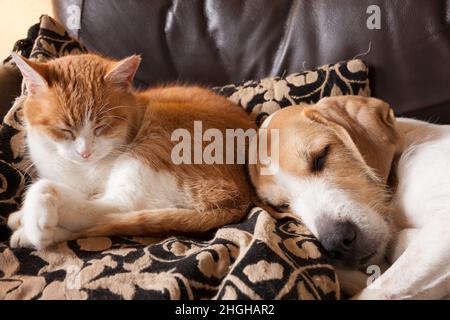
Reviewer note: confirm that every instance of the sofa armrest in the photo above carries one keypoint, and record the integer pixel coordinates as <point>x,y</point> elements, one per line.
<point>10,82</point>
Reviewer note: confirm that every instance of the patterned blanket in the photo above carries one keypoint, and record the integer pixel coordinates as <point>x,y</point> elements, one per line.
<point>259,258</point>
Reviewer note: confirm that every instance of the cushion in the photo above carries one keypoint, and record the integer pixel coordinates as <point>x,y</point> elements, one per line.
<point>260,98</point>
<point>259,258</point>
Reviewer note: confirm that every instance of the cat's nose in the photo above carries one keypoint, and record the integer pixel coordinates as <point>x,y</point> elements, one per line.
<point>85,154</point>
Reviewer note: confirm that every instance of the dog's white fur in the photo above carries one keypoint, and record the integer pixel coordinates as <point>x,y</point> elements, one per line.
<point>419,253</point>
<point>418,228</point>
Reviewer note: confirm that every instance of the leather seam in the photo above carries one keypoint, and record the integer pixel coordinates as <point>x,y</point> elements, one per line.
<point>407,113</point>
<point>81,17</point>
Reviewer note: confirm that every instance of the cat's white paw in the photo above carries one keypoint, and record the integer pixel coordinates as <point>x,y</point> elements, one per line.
<point>36,224</point>
<point>14,220</point>
<point>19,239</point>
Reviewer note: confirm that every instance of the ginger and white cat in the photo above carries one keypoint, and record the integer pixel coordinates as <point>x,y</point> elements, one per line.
<point>103,155</point>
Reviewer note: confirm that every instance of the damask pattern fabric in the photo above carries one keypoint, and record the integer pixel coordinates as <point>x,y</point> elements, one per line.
<point>261,98</point>
<point>259,258</point>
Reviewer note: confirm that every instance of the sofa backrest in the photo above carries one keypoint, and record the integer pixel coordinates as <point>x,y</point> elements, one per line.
<point>215,42</point>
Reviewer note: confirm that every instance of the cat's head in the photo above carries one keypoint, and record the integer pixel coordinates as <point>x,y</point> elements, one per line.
<point>80,106</point>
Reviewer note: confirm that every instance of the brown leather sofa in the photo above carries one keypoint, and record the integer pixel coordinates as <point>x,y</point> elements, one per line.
<point>215,42</point>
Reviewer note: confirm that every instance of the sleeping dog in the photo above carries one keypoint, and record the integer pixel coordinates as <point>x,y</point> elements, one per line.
<point>371,188</point>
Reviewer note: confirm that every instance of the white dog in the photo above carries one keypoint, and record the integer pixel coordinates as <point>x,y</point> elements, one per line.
<point>371,188</point>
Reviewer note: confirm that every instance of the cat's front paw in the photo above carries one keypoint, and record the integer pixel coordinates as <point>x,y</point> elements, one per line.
<point>36,224</point>
<point>14,220</point>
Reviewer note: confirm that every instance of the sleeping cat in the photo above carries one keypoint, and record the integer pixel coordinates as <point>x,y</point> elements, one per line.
<point>103,155</point>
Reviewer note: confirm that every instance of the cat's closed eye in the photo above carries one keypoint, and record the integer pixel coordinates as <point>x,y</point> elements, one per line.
<point>98,130</point>
<point>67,133</point>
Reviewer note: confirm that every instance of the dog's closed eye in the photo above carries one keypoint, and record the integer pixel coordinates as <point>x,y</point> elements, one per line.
<point>319,160</point>
<point>280,207</point>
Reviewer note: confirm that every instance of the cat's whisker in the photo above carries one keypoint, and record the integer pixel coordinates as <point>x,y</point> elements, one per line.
<point>115,117</point>
<point>28,168</point>
<point>109,126</point>
<point>103,106</point>
<point>102,111</point>
<point>127,121</point>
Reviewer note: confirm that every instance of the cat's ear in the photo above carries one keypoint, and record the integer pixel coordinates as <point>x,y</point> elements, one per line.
<point>123,71</point>
<point>33,73</point>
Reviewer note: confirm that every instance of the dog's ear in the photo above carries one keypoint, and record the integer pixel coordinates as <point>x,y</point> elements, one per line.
<point>366,125</point>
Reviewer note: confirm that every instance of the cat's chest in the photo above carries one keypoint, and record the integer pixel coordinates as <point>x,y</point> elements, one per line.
<point>124,179</point>
<point>140,185</point>
<point>90,180</point>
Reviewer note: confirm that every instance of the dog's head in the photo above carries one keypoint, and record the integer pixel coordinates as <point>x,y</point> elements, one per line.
<point>334,161</point>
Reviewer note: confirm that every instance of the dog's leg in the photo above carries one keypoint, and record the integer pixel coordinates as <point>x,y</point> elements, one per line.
<point>351,281</point>
<point>421,272</point>
<point>354,281</point>
<point>400,243</point>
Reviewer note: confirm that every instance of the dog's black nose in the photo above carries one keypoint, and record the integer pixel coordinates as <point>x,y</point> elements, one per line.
<point>340,239</point>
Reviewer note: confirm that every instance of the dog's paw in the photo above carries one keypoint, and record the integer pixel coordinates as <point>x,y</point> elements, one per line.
<point>374,294</point>
<point>36,224</point>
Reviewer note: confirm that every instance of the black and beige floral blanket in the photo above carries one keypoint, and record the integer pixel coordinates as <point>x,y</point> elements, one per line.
<point>259,258</point>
